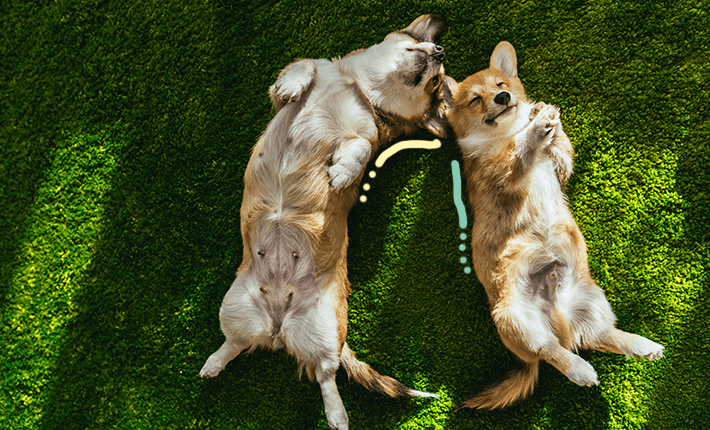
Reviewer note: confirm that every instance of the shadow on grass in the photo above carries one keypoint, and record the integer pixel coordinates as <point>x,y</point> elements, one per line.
<point>679,394</point>
<point>128,352</point>
<point>146,308</point>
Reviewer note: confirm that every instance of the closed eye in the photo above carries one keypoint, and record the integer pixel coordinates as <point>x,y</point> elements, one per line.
<point>475,99</point>
<point>500,84</point>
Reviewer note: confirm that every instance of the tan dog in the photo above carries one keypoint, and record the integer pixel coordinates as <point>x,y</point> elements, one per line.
<point>302,179</point>
<point>528,252</point>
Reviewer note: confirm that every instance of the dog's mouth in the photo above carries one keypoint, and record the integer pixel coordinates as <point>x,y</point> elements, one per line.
<point>491,120</point>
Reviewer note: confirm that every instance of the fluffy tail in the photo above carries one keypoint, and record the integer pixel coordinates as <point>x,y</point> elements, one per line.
<point>516,385</point>
<point>368,377</point>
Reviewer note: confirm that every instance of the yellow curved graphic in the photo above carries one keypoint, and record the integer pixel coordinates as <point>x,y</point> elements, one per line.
<point>407,144</point>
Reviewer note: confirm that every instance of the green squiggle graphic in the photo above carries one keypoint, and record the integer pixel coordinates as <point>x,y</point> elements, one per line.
<point>457,194</point>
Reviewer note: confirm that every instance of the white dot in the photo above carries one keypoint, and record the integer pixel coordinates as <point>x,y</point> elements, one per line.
<point>366,187</point>
<point>372,173</point>
<point>363,199</point>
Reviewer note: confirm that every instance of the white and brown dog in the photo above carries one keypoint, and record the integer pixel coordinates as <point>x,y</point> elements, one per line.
<point>528,252</point>
<point>303,178</point>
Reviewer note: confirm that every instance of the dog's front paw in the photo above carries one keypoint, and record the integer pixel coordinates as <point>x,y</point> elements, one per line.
<point>544,124</point>
<point>348,163</point>
<point>294,81</point>
<point>290,90</point>
<point>341,176</point>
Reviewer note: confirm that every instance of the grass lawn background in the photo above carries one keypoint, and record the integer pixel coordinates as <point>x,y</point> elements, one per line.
<point>125,128</point>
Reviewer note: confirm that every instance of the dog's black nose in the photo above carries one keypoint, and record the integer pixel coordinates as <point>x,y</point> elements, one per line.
<point>439,53</point>
<point>502,98</point>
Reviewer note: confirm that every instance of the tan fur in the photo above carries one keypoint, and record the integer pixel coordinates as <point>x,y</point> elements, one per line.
<point>528,252</point>
<point>365,375</point>
<point>301,181</point>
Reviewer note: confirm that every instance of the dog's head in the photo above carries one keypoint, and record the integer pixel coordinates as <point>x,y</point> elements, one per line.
<point>491,103</point>
<point>403,75</point>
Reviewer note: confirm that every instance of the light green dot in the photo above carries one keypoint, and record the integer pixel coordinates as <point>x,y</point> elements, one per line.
<point>463,236</point>
<point>467,270</point>
<point>463,260</point>
<point>462,247</point>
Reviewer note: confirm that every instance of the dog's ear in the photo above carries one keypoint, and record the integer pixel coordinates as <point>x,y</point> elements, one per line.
<point>438,126</point>
<point>437,123</point>
<point>426,28</point>
<point>505,59</point>
<point>450,86</point>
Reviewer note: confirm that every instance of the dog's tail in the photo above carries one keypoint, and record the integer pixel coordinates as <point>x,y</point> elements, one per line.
<point>368,377</point>
<point>516,385</point>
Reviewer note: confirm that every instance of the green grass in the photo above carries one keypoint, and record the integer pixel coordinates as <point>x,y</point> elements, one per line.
<point>125,128</point>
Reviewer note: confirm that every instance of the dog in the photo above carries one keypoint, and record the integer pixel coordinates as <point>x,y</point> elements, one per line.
<point>528,252</point>
<point>301,181</point>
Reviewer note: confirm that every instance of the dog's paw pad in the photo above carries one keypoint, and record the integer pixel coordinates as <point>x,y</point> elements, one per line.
<point>536,110</point>
<point>548,118</point>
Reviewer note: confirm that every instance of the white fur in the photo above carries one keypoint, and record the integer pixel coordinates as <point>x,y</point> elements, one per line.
<point>477,143</point>
<point>544,193</point>
<point>386,89</point>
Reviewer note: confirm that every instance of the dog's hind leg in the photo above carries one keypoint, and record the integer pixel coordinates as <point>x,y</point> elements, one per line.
<point>596,322</point>
<point>239,322</point>
<point>334,409</point>
<point>312,337</point>
<point>216,362</point>
<point>526,331</point>
<point>572,365</point>
<point>629,344</point>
